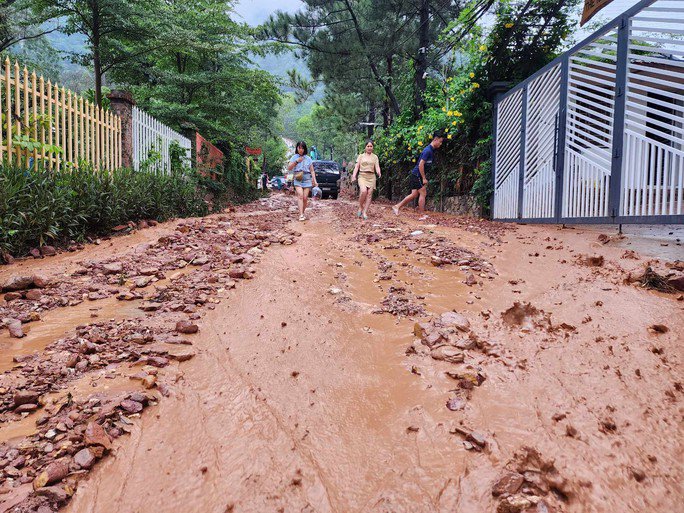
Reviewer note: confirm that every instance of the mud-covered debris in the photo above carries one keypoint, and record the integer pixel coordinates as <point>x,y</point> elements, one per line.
<point>25,397</point>
<point>85,458</point>
<point>592,260</point>
<point>186,327</point>
<point>658,328</point>
<point>507,484</point>
<point>17,282</point>
<point>676,283</point>
<point>14,327</point>
<point>95,435</point>
<point>113,268</point>
<point>650,279</point>
<point>454,320</point>
<point>456,403</point>
<point>53,473</point>
<point>516,503</point>
<point>467,376</point>
<point>447,354</point>
<point>477,439</point>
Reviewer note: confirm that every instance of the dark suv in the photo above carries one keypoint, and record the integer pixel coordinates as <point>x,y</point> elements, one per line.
<point>328,177</point>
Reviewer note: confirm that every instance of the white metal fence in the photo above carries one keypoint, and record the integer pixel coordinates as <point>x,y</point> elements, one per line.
<point>598,134</point>
<point>152,141</point>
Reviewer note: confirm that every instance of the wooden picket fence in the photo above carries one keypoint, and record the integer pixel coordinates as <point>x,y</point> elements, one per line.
<point>41,122</point>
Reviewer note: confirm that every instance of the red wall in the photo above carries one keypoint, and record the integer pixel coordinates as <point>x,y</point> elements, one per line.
<point>212,159</point>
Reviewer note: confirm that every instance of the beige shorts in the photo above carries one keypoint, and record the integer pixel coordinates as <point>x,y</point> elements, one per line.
<point>367,180</point>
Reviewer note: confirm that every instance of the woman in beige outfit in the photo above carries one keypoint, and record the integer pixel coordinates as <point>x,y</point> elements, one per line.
<point>367,166</point>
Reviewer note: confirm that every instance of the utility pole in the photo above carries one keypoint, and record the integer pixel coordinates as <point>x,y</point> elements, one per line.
<point>421,61</point>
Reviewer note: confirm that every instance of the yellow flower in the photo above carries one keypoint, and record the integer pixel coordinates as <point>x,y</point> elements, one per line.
<point>443,109</point>
<point>420,127</point>
<point>508,25</point>
<point>453,123</point>
<point>446,130</point>
<point>450,113</point>
<point>472,75</point>
<point>475,85</point>
<point>483,48</point>
<point>452,99</point>
<point>449,136</point>
<point>449,79</point>
<point>420,142</point>
<point>458,114</point>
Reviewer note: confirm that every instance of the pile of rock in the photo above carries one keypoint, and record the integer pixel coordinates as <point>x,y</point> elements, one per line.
<point>530,484</point>
<point>44,469</point>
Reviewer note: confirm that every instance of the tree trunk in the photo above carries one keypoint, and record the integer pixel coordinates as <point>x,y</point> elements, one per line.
<point>97,61</point>
<point>421,60</point>
<point>376,74</point>
<point>387,110</point>
<point>371,120</point>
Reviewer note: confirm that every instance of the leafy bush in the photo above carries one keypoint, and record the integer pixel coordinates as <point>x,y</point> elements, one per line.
<point>39,206</point>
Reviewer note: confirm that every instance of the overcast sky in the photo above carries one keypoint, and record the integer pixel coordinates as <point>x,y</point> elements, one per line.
<point>255,12</point>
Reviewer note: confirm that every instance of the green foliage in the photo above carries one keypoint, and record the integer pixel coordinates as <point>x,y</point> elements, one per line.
<point>524,37</point>
<point>38,206</point>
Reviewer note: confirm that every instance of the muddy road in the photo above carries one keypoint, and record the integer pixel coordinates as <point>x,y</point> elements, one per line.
<point>246,362</point>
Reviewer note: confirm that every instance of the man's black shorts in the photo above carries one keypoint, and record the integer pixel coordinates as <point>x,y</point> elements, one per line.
<point>415,182</point>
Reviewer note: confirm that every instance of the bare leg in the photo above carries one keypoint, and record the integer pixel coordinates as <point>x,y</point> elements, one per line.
<point>369,198</point>
<point>300,199</point>
<point>421,199</point>
<point>403,202</point>
<point>363,191</point>
<point>305,198</point>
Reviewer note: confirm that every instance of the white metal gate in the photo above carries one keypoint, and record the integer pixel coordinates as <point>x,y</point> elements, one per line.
<point>598,134</point>
<point>152,141</point>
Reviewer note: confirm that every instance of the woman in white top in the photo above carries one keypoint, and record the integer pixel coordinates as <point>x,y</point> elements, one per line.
<point>304,176</point>
<point>367,167</point>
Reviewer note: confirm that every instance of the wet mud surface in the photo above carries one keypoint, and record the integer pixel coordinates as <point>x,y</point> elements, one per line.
<point>247,362</point>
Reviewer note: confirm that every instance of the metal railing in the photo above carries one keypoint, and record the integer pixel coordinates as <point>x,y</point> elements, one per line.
<point>597,135</point>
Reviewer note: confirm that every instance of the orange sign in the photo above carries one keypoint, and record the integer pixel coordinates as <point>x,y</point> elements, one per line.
<point>591,7</point>
<point>253,151</point>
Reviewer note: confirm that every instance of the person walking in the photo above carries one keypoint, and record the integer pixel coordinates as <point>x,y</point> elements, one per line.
<point>264,181</point>
<point>418,179</point>
<point>367,167</point>
<point>304,176</point>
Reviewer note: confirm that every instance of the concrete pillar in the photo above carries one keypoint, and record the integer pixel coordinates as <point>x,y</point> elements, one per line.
<point>122,105</point>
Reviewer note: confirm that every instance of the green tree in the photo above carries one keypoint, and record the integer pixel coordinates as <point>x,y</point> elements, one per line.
<point>111,28</point>
<point>18,22</point>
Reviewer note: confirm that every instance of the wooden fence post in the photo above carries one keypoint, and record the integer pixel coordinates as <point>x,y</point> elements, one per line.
<point>122,105</point>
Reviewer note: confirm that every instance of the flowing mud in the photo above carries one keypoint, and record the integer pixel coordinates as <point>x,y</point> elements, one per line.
<point>248,363</point>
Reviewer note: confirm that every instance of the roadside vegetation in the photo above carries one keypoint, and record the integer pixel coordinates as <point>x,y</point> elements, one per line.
<point>378,82</point>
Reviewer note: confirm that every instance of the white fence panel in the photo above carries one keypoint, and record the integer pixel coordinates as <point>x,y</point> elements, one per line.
<point>152,141</point>
<point>653,167</point>
<point>543,105</point>
<point>507,159</point>
<point>589,129</point>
